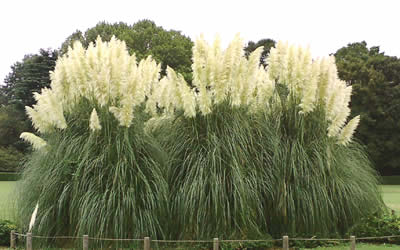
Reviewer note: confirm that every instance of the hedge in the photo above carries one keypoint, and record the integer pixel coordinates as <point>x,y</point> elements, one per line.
<point>391,180</point>
<point>9,176</point>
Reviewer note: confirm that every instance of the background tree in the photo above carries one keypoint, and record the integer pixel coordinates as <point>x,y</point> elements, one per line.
<point>28,76</point>
<point>144,38</point>
<point>12,123</point>
<point>76,36</point>
<point>266,43</point>
<point>375,78</point>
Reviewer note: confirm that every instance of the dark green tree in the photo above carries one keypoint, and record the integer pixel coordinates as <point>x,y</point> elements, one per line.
<point>375,78</point>
<point>12,123</point>
<point>266,43</point>
<point>76,36</point>
<point>144,38</point>
<point>28,76</point>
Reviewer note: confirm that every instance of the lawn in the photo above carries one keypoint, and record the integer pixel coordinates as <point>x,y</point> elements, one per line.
<point>6,188</point>
<point>391,196</point>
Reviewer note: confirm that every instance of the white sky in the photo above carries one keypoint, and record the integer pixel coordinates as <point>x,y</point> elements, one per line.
<point>28,25</point>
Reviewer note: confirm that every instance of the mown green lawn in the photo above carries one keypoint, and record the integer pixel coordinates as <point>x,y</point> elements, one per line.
<point>391,196</point>
<point>6,189</point>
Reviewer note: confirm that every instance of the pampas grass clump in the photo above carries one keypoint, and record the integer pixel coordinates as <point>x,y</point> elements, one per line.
<point>262,151</point>
<point>95,171</point>
<point>243,152</point>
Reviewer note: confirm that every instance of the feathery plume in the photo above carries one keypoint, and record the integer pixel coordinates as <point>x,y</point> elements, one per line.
<point>94,122</point>
<point>347,132</point>
<point>36,142</point>
<point>104,74</point>
<point>33,218</point>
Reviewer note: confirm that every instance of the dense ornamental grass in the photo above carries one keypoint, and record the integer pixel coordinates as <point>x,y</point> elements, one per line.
<point>308,183</point>
<point>243,152</point>
<point>258,152</point>
<point>109,183</point>
<point>213,185</point>
<point>95,171</point>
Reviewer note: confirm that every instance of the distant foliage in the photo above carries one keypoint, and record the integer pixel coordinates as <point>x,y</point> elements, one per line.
<point>29,76</point>
<point>9,176</point>
<point>375,78</point>
<point>267,45</point>
<point>144,38</point>
<point>26,77</point>
<point>10,159</point>
<point>12,122</point>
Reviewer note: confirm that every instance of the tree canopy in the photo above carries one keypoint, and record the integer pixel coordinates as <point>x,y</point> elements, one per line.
<point>375,78</point>
<point>28,76</point>
<point>144,38</point>
<point>266,43</point>
<point>12,123</point>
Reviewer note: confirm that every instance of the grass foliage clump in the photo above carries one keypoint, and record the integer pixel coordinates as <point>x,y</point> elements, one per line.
<point>95,171</point>
<point>213,185</point>
<point>103,184</point>
<point>268,151</point>
<point>242,152</point>
<point>308,183</point>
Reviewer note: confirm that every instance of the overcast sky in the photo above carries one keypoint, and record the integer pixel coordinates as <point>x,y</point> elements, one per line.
<point>28,25</point>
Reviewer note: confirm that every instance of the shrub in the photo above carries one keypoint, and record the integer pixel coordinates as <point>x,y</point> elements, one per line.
<point>378,225</point>
<point>391,180</point>
<point>6,227</point>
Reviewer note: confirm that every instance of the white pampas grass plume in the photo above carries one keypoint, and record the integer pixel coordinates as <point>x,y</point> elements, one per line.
<point>347,132</point>
<point>105,74</point>
<point>36,141</point>
<point>47,113</point>
<point>33,217</point>
<point>310,89</point>
<point>338,122</point>
<point>94,123</point>
<point>172,93</point>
